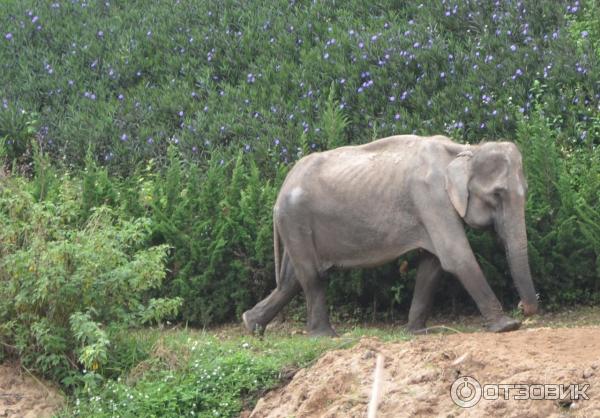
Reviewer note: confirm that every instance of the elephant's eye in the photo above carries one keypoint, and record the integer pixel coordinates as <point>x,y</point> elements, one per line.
<point>497,196</point>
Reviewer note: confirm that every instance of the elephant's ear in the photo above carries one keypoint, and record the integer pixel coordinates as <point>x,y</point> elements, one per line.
<point>457,180</point>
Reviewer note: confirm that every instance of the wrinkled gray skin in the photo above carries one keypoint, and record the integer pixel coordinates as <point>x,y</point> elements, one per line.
<point>366,205</point>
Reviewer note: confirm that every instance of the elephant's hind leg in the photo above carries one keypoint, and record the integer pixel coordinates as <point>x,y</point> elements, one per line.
<point>429,272</point>
<point>315,287</point>
<point>257,318</point>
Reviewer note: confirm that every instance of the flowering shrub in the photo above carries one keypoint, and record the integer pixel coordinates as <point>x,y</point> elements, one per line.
<point>129,79</point>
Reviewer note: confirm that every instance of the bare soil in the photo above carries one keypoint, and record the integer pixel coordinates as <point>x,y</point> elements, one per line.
<point>418,375</point>
<point>24,396</point>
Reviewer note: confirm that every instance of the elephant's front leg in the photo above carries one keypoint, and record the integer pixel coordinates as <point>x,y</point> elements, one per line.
<point>315,289</point>
<point>429,272</point>
<point>448,241</point>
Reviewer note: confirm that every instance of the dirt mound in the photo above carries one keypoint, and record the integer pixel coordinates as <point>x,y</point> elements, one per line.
<point>24,396</point>
<point>418,375</point>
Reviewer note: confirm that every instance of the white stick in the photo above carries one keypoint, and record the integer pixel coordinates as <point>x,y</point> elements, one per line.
<point>375,392</point>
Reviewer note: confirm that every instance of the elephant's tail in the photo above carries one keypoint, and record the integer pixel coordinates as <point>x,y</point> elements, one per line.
<point>277,253</point>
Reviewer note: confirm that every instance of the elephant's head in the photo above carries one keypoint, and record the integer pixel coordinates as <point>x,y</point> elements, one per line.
<point>487,188</point>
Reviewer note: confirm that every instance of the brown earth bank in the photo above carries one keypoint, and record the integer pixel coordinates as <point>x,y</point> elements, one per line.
<point>418,375</point>
<point>24,396</point>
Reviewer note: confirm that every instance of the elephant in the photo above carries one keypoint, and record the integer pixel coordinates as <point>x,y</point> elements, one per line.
<point>366,205</point>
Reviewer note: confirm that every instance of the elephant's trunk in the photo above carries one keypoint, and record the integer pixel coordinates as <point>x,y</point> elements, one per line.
<point>514,235</point>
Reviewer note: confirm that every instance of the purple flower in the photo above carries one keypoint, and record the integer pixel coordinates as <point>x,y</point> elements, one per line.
<point>124,137</point>
<point>513,48</point>
<point>250,78</point>
<point>34,19</point>
<point>180,113</point>
<point>361,45</point>
<point>584,34</point>
<point>397,116</point>
<point>392,98</point>
<point>326,55</point>
<point>8,36</point>
<point>100,34</point>
<point>150,140</point>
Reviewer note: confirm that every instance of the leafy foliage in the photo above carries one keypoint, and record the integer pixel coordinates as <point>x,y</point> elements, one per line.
<point>219,223</point>
<point>65,288</point>
<point>132,78</point>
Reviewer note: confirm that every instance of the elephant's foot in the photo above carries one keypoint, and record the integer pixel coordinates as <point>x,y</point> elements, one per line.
<point>503,324</point>
<point>324,331</point>
<point>416,328</point>
<point>252,324</point>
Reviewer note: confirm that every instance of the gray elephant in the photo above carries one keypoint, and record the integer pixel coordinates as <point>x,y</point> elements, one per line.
<point>366,205</point>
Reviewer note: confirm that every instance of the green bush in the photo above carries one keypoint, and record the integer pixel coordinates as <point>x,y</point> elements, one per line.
<point>562,215</point>
<point>66,288</point>
<point>219,223</point>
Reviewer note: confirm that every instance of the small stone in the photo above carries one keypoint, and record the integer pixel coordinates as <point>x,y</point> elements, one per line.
<point>461,359</point>
<point>587,373</point>
<point>368,354</point>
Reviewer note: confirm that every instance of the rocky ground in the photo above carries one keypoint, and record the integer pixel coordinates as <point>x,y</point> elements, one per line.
<point>25,396</point>
<point>418,375</point>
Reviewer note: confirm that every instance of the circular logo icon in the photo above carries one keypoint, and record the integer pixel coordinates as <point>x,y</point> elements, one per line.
<point>465,392</point>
